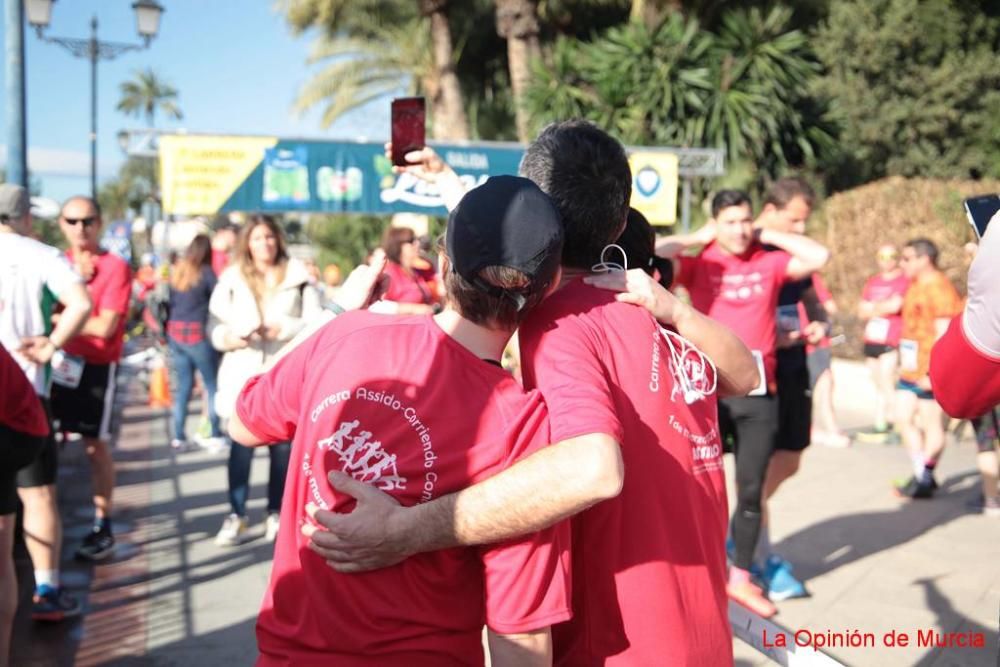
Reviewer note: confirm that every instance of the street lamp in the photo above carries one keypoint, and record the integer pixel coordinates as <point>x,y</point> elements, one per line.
<point>147,14</point>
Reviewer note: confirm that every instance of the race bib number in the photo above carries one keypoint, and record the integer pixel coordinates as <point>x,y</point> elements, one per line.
<point>760,389</point>
<point>67,369</point>
<point>908,355</point>
<point>877,330</point>
<point>788,318</point>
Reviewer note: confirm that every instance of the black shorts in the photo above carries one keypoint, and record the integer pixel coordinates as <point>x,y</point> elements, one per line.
<point>42,471</point>
<point>87,409</point>
<point>876,350</point>
<point>794,409</point>
<point>17,450</point>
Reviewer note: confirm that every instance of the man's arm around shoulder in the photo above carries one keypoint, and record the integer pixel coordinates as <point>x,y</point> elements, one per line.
<point>552,484</point>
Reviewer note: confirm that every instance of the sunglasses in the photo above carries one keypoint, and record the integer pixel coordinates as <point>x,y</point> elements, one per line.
<point>87,222</point>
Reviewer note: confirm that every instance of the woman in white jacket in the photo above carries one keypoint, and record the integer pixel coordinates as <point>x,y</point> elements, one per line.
<point>261,301</point>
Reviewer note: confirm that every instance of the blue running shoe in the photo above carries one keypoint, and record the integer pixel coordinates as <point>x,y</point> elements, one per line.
<point>54,604</point>
<point>781,585</point>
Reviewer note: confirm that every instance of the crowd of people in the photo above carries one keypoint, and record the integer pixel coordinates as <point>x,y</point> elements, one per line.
<point>576,507</point>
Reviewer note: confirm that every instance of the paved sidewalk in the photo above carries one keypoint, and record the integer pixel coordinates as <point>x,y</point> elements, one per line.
<point>872,563</point>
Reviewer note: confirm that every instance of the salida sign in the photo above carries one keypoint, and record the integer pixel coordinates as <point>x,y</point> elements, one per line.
<point>206,174</point>
<point>202,175</point>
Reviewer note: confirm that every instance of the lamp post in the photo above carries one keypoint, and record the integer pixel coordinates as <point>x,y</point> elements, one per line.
<point>147,13</point>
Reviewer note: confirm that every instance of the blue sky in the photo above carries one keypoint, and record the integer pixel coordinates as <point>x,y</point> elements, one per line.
<point>235,63</point>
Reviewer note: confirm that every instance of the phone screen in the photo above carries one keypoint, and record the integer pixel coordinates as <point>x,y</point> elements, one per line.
<point>980,210</point>
<point>408,120</point>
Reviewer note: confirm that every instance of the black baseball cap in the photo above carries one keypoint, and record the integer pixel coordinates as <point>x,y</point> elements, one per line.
<point>507,221</point>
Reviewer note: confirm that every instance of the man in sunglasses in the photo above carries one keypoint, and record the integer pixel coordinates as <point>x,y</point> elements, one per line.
<point>84,378</point>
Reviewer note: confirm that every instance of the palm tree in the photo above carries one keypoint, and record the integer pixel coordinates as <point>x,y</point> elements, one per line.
<point>517,22</point>
<point>146,93</point>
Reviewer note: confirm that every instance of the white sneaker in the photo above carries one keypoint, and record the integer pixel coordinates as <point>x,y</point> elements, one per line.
<point>271,527</point>
<point>180,446</point>
<point>213,445</point>
<point>232,531</point>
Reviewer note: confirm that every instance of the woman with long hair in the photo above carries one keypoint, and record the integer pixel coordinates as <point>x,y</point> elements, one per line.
<point>409,288</point>
<point>191,283</point>
<point>262,300</point>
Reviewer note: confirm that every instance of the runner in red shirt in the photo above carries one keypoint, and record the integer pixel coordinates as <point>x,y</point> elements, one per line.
<point>649,563</point>
<point>880,307</point>
<point>84,373</point>
<point>23,427</point>
<point>736,280</point>
<point>418,407</point>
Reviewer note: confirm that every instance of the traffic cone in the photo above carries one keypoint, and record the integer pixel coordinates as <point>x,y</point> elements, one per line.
<point>159,386</point>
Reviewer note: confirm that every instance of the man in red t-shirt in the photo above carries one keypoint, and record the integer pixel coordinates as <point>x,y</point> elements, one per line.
<point>635,443</point>
<point>23,427</point>
<point>880,307</point>
<point>737,281</point>
<point>84,372</point>
<point>418,407</point>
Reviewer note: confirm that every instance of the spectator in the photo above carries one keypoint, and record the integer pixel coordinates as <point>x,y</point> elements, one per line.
<point>930,302</point>
<point>259,304</point>
<point>223,242</point>
<point>880,307</point>
<point>191,284</point>
<point>409,292</point>
<point>83,390</point>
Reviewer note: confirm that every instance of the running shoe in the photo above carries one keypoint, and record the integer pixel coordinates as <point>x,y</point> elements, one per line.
<point>232,532</point>
<point>781,584</point>
<point>751,597</point>
<point>271,526</point>
<point>915,489</point>
<point>98,545</point>
<point>54,604</point>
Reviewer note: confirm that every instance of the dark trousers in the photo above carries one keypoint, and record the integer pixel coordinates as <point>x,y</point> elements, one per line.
<point>239,475</point>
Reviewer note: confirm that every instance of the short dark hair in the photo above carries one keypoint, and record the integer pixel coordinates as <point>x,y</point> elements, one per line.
<point>393,240</point>
<point>585,171</point>
<point>638,240</point>
<point>726,198</point>
<point>89,200</point>
<point>784,190</point>
<point>486,309</point>
<point>924,247</point>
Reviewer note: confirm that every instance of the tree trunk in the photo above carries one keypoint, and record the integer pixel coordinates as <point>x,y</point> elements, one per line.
<point>447,103</point>
<point>651,12</point>
<point>517,22</point>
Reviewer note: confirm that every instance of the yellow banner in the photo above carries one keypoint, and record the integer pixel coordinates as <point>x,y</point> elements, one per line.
<point>199,173</point>
<point>654,186</point>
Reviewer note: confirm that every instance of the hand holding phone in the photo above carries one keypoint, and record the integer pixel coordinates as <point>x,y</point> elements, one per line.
<point>408,122</point>
<point>980,210</point>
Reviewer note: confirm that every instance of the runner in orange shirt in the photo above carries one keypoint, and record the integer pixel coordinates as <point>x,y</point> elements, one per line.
<point>928,306</point>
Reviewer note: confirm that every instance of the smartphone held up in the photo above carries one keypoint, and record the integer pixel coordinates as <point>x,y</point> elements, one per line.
<point>408,122</point>
<point>980,210</point>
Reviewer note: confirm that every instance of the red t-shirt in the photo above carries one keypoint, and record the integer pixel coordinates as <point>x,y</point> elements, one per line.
<point>398,404</point>
<point>966,381</point>
<point>649,565</point>
<point>740,292</point>
<point>884,330</point>
<point>407,287</point>
<point>220,260</point>
<point>110,288</point>
<point>20,408</point>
